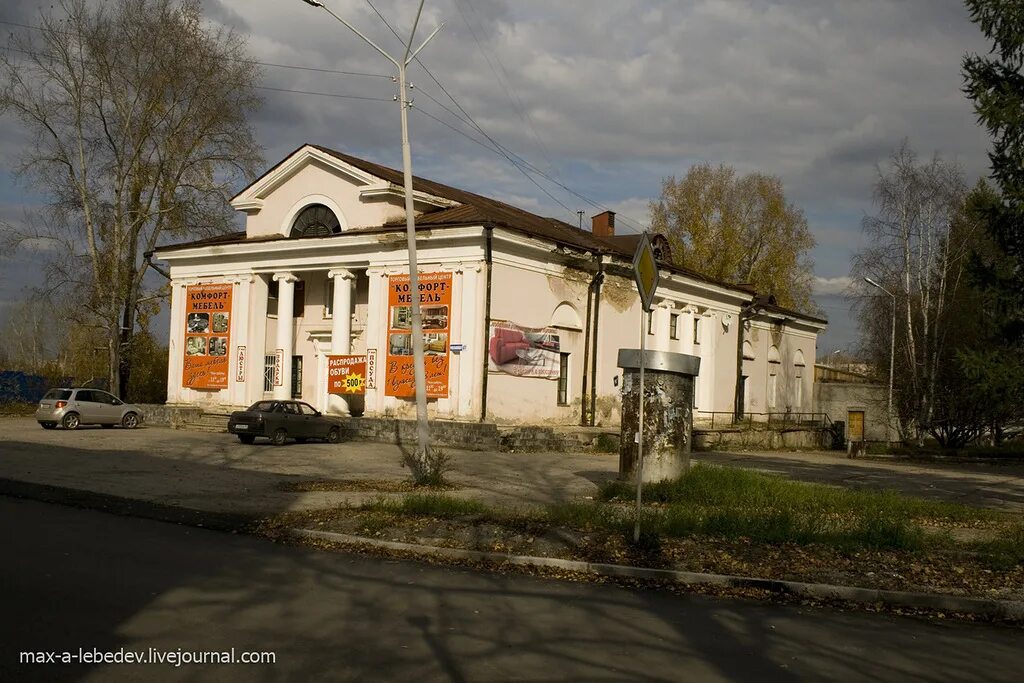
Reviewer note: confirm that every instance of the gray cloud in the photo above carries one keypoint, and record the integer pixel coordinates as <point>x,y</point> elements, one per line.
<point>611,97</point>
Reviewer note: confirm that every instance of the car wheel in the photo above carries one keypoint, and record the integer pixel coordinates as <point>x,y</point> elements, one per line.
<point>130,421</point>
<point>246,438</point>
<point>278,437</point>
<point>71,421</point>
<point>48,425</point>
<point>334,436</point>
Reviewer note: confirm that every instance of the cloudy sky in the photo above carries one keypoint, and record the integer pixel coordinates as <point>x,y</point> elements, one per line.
<point>608,98</point>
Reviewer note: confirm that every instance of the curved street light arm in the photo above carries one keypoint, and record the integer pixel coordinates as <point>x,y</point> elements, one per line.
<point>411,57</point>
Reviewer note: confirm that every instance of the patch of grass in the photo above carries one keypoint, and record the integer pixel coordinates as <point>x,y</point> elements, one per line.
<point>384,485</point>
<point>733,503</point>
<point>429,505</point>
<point>1004,552</point>
<point>731,488</point>
<point>585,516</point>
<point>375,522</point>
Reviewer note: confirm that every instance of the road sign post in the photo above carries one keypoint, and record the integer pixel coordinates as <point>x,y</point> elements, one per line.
<point>645,272</point>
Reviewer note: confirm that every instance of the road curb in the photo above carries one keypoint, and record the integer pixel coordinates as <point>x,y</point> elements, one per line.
<point>130,507</point>
<point>1010,610</point>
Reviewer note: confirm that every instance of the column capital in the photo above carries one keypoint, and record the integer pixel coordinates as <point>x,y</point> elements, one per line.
<point>285,277</point>
<point>342,273</point>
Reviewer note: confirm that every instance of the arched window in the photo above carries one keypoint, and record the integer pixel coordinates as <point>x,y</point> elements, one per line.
<point>798,379</point>
<point>774,363</point>
<point>316,220</point>
<point>748,350</point>
<point>566,317</point>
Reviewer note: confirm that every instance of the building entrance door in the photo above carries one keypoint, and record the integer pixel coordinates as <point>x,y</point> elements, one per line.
<point>855,425</point>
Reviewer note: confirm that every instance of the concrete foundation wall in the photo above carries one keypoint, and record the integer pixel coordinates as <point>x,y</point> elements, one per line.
<point>160,415</point>
<point>762,439</point>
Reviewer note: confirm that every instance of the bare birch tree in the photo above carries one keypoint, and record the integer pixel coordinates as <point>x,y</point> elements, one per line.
<point>921,242</point>
<point>137,110</point>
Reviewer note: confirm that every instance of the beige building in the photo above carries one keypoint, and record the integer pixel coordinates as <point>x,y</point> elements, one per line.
<point>529,317</point>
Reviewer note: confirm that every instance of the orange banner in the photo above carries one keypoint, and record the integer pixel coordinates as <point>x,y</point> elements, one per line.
<point>346,374</point>
<point>207,336</point>
<point>436,309</point>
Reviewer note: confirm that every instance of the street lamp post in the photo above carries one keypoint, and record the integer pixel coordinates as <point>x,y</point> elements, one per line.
<point>892,352</point>
<point>419,372</point>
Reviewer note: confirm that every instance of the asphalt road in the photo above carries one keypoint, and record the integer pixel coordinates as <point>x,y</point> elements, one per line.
<point>83,579</point>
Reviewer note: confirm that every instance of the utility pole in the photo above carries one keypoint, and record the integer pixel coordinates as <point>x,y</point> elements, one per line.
<point>419,371</point>
<point>892,355</point>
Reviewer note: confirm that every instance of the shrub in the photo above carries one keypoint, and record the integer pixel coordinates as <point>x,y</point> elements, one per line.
<point>430,470</point>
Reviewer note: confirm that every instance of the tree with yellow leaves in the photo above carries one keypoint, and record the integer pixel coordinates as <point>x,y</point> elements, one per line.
<point>738,229</point>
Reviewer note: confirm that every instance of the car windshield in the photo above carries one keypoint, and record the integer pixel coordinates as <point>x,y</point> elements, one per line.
<point>58,394</point>
<point>262,407</point>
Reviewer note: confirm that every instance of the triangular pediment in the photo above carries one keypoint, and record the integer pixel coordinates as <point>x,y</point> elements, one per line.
<point>370,186</point>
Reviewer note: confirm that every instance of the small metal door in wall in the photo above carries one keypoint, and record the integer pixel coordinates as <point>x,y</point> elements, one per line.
<point>855,425</point>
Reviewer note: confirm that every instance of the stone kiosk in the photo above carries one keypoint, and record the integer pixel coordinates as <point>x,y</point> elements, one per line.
<point>668,413</point>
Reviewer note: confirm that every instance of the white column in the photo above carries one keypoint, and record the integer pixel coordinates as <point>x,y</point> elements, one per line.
<point>176,339</point>
<point>471,324</point>
<point>241,303</point>
<point>256,349</point>
<point>709,333</point>
<point>686,330</point>
<point>285,331</point>
<point>376,332</point>
<point>341,328</point>
<point>661,340</point>
<point>322,402</point>
<point>341,321</point>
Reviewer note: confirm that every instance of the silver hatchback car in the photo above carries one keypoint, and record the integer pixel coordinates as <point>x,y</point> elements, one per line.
<point>70,408</point>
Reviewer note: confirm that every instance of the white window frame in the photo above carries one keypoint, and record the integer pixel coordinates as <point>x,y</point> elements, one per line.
<point>329,299</point>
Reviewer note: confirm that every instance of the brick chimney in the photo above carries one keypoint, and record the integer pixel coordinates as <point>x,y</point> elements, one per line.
<point>604,224</point>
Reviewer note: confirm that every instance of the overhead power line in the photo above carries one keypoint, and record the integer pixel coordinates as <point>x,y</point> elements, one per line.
<point>503,78</point>
<point>326,94</point>
<point>523,166</point>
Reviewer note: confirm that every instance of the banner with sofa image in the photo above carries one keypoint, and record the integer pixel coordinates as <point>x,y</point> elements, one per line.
<point>523,351</point>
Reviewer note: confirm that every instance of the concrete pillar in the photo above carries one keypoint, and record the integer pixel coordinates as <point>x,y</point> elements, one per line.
<point>470,359</point>
<point>661,331</point>
<point>257,343</point>
<point>686,330</point>
<point>341,328</point>
<point>668,413</point>
<point>709,335</point>
<point>376,332</point>
<point>240,312</point>
<point>285,331</point>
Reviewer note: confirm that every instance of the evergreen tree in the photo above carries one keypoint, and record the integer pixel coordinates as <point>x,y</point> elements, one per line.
<point>995,83</point>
